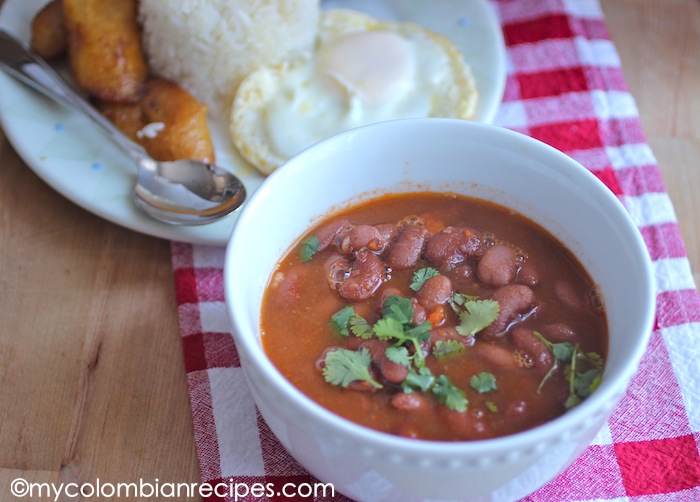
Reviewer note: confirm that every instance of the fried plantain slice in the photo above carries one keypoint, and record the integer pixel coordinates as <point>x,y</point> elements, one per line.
<point>104,48</point>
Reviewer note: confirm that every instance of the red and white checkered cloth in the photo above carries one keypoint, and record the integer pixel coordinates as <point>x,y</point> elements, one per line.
<point>565,87</point>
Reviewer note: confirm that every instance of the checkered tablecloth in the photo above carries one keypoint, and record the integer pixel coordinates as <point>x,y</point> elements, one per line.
<point>565,86</point>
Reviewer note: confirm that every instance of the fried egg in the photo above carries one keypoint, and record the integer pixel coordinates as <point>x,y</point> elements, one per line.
<point>362,71</point>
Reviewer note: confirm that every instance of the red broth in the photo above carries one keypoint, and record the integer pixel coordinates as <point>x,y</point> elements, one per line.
<point>435,316</point>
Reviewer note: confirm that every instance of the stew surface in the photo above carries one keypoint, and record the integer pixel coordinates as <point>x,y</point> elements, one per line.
<point>435,316</point>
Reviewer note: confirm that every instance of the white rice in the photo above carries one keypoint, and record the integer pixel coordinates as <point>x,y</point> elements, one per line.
<point>209,46</point>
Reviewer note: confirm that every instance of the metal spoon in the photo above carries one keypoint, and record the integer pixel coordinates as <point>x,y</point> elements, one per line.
<point>183,192</point>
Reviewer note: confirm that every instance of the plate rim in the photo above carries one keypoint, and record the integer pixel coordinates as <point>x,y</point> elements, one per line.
<point>128,216</point>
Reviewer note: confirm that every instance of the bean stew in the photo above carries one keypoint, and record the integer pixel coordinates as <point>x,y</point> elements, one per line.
<point>435,316</point>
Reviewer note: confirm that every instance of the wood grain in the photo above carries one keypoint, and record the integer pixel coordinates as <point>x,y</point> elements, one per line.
<point>92,383</point>
<point>659,45</point>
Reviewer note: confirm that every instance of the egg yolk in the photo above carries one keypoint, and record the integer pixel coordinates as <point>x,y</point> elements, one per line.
<point>373,65</point>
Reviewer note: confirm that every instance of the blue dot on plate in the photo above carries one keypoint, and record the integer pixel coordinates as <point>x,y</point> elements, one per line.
<point>96,166</point>
<point>464,21</point>
<point>59,128</point>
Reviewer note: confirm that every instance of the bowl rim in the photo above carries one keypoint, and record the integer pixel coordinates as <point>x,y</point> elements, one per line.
<point>596,407</point>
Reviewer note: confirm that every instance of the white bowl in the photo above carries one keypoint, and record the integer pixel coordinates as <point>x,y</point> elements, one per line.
<point>438,155</point>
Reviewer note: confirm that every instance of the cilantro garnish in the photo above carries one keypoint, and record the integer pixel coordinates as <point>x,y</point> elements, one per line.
<point>564,352</point>
<point>341,320</point>
<point>444,348</point>
<point>448,394</point>
<point>398,355</point>
<point>458,301</point>
<point>477,315</point>
<point>346,321</point>
<point>421,379</point>
<point>388,328</point>
<point>583,371</point>
<point>398,308</point>
<point>483,382</point>
<point>582,382</point>
<point>309,248</point>
<point>422,275</point>
<point>360,327</point>
<point>396,326</point>
<point>344,366</point>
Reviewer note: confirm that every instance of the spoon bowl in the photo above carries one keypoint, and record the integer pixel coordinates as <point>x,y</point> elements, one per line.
<point>180,192</point>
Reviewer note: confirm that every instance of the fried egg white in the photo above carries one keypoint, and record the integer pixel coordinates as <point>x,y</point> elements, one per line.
<point>363,71</point>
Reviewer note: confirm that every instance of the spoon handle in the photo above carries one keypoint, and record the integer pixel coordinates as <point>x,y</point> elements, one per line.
<point>29,68</point>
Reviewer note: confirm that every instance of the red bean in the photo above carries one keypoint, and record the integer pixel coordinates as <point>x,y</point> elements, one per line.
<point>365,277</point>
<point>535,348</point>
<point>326,234</point>
<point>448,333</point>
<point>453,245</point>
<point>419,313</point>
<point>528,275</point>
<point>462,275</point>
<point>559,332</point>
<point>498,265</point>
<point>407,430</point>
<point>289,286</point>
<point>389,291</point>
<point>391,372</point>
<point>435,291</point>
<point>495,355</point>
<point>407,247</point>
<point>514,301</point>
<point>569,296</point>
<point>357,237</point>
<point>408,402</point>
<point>337,269</point>
<point>464,424</point>
<point>386,230</point>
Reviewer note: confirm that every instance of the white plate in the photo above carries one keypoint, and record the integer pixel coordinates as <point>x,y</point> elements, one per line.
<point>81,164</point>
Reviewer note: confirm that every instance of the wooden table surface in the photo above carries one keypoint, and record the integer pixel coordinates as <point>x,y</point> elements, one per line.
<point>92,383</point>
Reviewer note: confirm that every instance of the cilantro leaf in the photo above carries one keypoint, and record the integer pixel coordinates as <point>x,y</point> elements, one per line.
<point>388,328</point>
<point>595,360</point>
<point>458,301</point>
<point>562,351</point>
<point>309,248</point>
<point>343,366</point>
<point>448,394</point>
<point>340,321</point>
<point>492,407</point>
<point>444,348</point>
<point>421,380</point>
<point>572,401</point>
<point>420,333</point>
<point>478,315</point>
<point>398,308</point>
<point>585,383</point>
<point>422,275</point>
<point>582,382</point>
<point>398,355</point>
<point>483,382</point>
<point>360,327</point>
